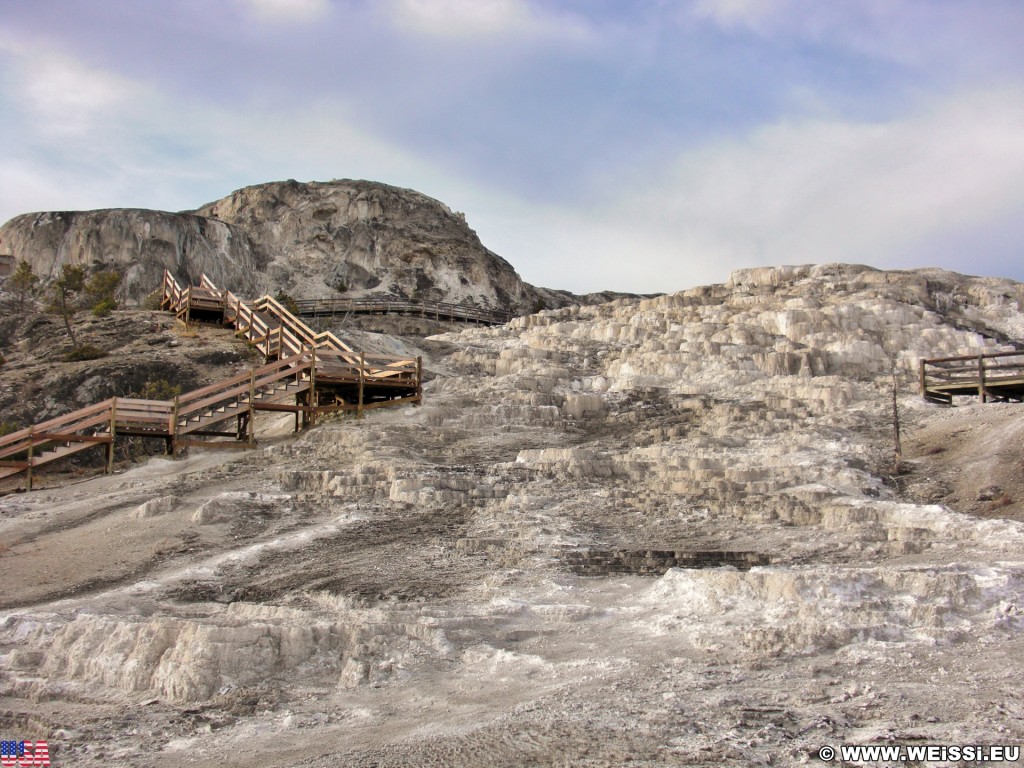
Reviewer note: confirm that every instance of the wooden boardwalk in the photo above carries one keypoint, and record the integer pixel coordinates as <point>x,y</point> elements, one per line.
<point>306,373</point>
<point>996,376</point>
<point>385,305</point>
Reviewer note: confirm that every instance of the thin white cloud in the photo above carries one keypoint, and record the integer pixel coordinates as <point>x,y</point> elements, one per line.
<point>803,188</point>
<point>287,11</point>
<point>60,95</point>
<point>888,194</point>
<point>915,33</point>
<point>731,14</point>
<point>817,191</point>
<point>483,20</point>
<point>92,139</point>
<point>317,142</point>
<point>808,18</point>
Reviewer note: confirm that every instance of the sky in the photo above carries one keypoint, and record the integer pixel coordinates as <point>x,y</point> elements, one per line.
<point>631,145</point>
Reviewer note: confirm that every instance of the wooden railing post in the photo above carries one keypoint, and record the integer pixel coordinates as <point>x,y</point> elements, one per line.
<point>113,431</point>
<point>982,392</point>
<point>924,386</point>
<point>362,376</point>
<point>31,447</point>
<point>250,427</point>
<point>172,431</point>
<point>313,402</point>
<point>419,380</point>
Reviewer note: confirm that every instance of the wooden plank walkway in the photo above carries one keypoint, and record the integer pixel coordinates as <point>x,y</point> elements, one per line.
<point>384,305</point>
<point>995,376</point>
<point>306,373</point>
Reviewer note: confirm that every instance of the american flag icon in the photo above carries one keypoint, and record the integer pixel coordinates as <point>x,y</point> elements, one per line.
<point>24,754</point>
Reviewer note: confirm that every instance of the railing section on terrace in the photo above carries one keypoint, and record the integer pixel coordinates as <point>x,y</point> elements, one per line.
<point>55,438</point>
<point>387,304</point>
<point>193,413</point>
<point>990,376</point>
<point>206,296</point>
<point>275,331</point>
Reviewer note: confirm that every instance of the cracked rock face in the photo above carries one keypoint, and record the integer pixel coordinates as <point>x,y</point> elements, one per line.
<point>663,532</point>
<point>140,244</point>
<point>342,238</point>
<point>312,240</point>
<point>363,238</point>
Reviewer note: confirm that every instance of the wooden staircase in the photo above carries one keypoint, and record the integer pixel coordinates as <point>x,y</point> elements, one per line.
<point>275,332</point>
<point>180,422</point>
<point>56,438</point>
<point>306,373</point>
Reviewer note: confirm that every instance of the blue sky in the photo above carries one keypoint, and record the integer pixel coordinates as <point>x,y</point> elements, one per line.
<point>636,146</point>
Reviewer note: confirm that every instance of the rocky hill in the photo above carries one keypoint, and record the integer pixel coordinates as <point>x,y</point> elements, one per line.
<point>360,237</point>
<point>311,240</point>
<point>140,244</point>
<point>658,532</point>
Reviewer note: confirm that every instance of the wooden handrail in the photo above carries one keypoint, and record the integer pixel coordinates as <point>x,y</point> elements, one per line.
<point>985,373</point>
<point>198,394</point>
<point>235,386</point>
<point>125,410</point>
<point>961,358</point>
<point>292,335</point>
<point>172,292</point>
<point>335,306</point>
<point>299,328</point>
<point>56,423</point>
<point>48,431</point>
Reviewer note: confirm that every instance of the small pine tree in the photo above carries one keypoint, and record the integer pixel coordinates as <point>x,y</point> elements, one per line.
<point>287,301</point>
<point>21,287</point>
<point>64,296</point>
<point>99,292</point>
<point>158,389</point>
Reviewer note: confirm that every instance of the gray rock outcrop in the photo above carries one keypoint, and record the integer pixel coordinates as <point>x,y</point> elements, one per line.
<point>362,238</point>
<point>312,240</point>
<point>139,243</point>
